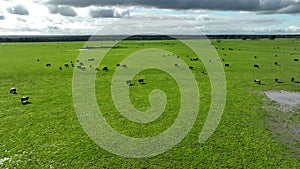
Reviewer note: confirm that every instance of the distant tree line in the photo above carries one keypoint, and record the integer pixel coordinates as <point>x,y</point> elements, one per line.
<point>135,37</point>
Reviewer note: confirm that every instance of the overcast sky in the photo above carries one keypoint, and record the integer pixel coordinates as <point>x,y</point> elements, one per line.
<point>85,17</point>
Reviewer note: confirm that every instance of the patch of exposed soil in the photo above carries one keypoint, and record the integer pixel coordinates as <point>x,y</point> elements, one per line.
<point>283,118</point>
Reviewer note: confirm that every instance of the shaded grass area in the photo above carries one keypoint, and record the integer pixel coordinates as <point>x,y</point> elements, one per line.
<point>47,134</point>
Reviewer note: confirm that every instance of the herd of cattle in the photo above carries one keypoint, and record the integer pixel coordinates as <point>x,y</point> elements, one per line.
<point>258,81</point>
<point>81,66</point>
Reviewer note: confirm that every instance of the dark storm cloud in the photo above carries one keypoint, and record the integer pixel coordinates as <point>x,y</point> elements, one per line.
<point>65,11</point>
<point>18,10</point>
<point>280,6</point>
<point>107,13</point>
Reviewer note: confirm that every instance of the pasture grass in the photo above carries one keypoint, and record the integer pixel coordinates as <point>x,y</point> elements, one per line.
<point>47,134</point>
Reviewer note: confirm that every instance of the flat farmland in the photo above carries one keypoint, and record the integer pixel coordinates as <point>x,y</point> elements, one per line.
<point>47,133</point>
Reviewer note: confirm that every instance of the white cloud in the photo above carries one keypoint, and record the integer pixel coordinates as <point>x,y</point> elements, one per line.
<point>80,20</point>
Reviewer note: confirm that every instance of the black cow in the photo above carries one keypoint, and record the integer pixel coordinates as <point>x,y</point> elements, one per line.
<point>105,68</point>
<point>48,64</point>
<point>276,80</point>
<point>256,66</point>
<point>25,100</point>
<point>227,65</point>
<point>141,81</point>
<point>13,91</point>
<point>191,67</point>
<point>257,81</point>
<point>296,60</point>
<point>60,68</point>
<point>66,65</point>
<point>276,63</point>
<point>292,79</point>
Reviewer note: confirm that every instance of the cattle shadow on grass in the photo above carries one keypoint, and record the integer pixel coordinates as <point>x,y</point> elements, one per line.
<point>296,82</point>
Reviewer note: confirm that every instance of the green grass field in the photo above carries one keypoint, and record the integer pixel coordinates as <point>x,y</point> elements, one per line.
<point>47,133</point>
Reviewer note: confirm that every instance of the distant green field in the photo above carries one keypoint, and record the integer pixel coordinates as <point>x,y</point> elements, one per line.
<point>47,133</point>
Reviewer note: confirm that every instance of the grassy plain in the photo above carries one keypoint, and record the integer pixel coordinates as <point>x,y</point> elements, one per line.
<point>47,134</point>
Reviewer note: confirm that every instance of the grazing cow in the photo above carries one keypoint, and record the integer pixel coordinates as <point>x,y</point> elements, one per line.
<point>191,67</point>
<point>257,81</point>
<point>296,60</point>
<point>38,60</point>
<point>223,60</point>
<point>105,68</point>
<point>128,82</point>
<point>292,79</point>
<point>276,80</point>
<point>176,65</point>
<point>72,65</point>
<point>124,66</point>
<point>91,66</point>
<point>71,61</point>
<point>141,81</point>
<point>91,59</point>
<point>203,72</point>
<point>60,68</point>
<point>83,68</point>
<point>255,57</point>
<point>25,100</point>
<point>118,65</point>
<point>13,91</point>
<point>48,64</point>
<point>276,63</point>
<point>256,66</point>
<point>275,55</point>
<point>79,67</point>
<point>66,65</point>
<point>81,64</point>
<point>77,60</point>
<point>97,69</point>
<point>227,65</point>
<point>230,49</point>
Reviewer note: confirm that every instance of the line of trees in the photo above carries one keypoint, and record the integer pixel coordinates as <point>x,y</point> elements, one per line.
<point>135,37</point>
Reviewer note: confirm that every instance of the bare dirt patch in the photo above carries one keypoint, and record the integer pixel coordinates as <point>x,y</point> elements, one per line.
<point>283,118</point>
